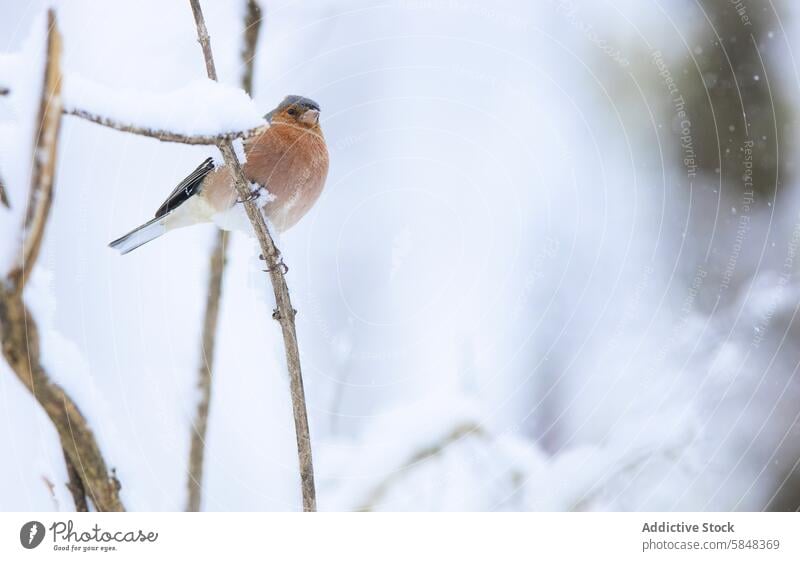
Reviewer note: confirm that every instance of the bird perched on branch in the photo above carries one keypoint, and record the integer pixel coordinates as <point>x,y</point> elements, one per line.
<point>289,160</point>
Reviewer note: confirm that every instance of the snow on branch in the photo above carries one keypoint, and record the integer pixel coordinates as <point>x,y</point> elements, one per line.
<point>202,112</point>
<point>40,197</point>
<point>19,333</point>
<point>161,134</point>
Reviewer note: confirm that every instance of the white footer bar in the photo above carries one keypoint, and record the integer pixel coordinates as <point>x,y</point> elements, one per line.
<point>355,536</point>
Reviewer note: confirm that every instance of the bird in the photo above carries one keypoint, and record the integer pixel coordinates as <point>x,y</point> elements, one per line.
<point>286,162</point>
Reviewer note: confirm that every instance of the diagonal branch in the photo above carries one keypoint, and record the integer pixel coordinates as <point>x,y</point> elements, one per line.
<point>160,134</point>
<point>252,26</point>
<point>19,335</point>
<point>284,311</point>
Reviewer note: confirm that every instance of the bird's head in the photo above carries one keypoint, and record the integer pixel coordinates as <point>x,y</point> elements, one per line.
<point>297,111</point>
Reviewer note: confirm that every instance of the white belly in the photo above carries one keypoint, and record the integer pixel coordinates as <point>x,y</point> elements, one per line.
<point>235,219</point>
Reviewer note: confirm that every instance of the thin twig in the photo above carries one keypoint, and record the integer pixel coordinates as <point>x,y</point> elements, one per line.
<point>19,335</point>
<point>160,134</point>
<point>51,490</point>
<point>284,311</point>
<point>252,26</point>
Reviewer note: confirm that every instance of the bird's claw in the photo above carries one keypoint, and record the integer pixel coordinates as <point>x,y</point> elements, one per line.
<point>279,265</point>
<point>251,197</point>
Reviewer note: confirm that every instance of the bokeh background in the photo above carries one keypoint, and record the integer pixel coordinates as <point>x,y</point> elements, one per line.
<point>554,266</point>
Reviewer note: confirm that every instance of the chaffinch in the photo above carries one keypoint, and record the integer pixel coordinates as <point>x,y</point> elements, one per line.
<point>289,159</point>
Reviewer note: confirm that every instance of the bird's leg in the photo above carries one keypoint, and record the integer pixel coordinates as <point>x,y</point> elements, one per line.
<point>279,265</point>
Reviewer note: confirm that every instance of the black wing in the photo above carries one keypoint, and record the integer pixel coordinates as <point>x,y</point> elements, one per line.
<point>186,188</point>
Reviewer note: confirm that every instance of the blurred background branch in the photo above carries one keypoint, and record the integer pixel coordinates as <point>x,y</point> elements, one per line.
<point>377,493</point>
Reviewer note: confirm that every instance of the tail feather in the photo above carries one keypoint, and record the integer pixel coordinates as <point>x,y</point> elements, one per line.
<point>147,232</point>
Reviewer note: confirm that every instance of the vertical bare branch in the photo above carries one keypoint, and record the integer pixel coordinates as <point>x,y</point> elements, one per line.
<point>200,425</point>
<point>204,39</point>
<point>252,29</point>
<point>284,311</point>
<point>19,336</point>
<point>252,26</point>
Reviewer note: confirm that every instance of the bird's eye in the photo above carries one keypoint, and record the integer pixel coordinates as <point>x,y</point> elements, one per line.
<point>292,111</point>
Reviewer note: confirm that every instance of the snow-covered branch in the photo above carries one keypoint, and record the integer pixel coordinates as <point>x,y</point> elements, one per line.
<point>161,134</point>
<point>202,112</point>
<point>19,334</point>
<point>40,196</point>
<point>284,311</point>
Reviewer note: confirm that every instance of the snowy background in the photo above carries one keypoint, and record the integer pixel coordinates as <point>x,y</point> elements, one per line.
<point>514,293</point>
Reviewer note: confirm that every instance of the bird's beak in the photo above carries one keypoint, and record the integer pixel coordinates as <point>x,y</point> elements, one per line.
<point>310,117</point>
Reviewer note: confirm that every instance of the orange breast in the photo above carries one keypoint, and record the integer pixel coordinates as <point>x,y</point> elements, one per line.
<point>292,163</point>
